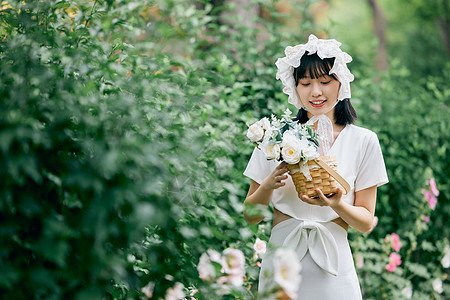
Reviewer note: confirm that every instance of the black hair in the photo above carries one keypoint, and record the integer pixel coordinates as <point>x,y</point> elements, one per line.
<point>315,67</point>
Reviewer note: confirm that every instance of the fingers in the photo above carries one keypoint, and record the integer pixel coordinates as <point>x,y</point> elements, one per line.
<point>321,195</point>
<point>280,170</point>
<point>340,193</point>
<point>312,201</point>
<point>281,177</point>
<point>282,166</point>
<point>280,184</point>
<point>322,200</point>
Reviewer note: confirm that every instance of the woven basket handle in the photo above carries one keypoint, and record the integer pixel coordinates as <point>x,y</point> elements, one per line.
<point>334,174</point>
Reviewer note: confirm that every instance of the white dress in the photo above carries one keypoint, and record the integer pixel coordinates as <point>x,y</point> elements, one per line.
<point>328,270</point>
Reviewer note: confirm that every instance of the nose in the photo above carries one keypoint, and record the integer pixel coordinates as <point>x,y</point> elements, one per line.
<point>316,90</point>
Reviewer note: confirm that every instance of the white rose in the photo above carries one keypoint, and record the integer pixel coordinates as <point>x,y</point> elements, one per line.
<point>291,150</point>
<point>310,152</point>
<point>271,151</point>
<point>270,134</point>
<point>264,123</point>
<point>437,285</point>
<point>287,271</point>
<point>255,132</point>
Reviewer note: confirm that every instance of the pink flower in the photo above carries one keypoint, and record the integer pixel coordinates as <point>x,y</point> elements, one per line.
<point>258,264</point>
<point>395,259</point>
<point>193,292</point>
<point>260,247</point>
<point>395,242</point>
<point>390,267</point>
<point>426,219</point>
<point>432,200</point>
<point>433,187</point>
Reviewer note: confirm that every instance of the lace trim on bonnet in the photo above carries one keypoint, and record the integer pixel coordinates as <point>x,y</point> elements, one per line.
<point>324,49</point>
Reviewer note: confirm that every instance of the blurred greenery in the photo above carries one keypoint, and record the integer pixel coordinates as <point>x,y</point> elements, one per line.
<point>122,143</point>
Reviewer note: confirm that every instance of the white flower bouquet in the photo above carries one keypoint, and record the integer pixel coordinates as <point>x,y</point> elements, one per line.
<point>298,146</point>
<point>285,140</point>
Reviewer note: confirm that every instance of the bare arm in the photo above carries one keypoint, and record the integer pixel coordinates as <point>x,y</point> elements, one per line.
<point>260,194</point>
<point>360,216</point>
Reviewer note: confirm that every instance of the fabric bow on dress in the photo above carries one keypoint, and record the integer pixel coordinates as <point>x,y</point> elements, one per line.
<point>313,236</point>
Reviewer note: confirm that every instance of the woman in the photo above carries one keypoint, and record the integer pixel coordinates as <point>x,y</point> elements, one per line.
<point>317,80</point>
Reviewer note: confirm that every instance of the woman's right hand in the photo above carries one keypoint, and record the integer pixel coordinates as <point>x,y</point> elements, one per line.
<point>275,179</point>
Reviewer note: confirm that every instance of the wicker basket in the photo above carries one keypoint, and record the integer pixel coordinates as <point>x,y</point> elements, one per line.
<point>324,176</point>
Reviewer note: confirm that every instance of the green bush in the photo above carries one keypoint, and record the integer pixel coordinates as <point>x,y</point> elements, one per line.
<point>93,150</point>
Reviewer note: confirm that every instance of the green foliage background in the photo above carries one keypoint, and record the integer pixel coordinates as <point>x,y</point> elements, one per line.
<point>122,148</point>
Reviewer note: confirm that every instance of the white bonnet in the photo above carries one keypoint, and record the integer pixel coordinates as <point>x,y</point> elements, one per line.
<point>324,49</point>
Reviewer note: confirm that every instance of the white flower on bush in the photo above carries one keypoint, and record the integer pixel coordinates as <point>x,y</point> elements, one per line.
<point>445,261</point>
<point>255,132</point>
<point>148,289</point>
<point>233,262</point>
<point>287,271</point>
<point>205,269</point>
<point>437,285</point>
<point>271,151</point>
<point>233,267</point>
<point>176,292</point>
<point>291,148</point>
<point>407,291</point>
<point>214,256</point>
<point>260,247</point>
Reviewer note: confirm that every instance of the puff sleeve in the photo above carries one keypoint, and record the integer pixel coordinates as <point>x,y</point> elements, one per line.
<point>259,167</point>
<point>372,170</point>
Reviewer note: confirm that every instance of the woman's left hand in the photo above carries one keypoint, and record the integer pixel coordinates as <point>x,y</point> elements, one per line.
<point>332,201</point>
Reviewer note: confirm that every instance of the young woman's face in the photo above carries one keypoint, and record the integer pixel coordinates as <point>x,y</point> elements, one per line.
<point>319,95</point>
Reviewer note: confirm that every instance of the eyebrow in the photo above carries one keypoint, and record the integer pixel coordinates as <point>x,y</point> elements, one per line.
<point>323,75</point>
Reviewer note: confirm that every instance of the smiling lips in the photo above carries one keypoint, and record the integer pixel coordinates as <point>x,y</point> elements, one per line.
<point>318,103</point>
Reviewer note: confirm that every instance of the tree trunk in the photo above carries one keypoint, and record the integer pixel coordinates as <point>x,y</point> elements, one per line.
<point>444,28</point>
<point>379,23</point>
